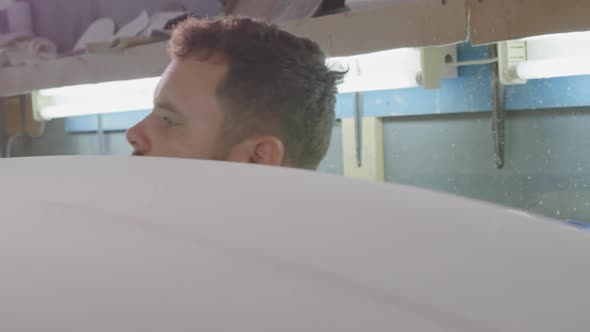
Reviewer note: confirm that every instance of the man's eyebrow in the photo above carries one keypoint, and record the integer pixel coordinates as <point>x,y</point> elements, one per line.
<point>167,106</point>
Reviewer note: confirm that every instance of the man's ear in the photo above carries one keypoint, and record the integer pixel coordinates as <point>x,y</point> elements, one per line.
<point>264,150</point>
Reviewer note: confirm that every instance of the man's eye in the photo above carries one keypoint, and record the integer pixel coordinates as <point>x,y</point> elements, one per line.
<point>169,122</point>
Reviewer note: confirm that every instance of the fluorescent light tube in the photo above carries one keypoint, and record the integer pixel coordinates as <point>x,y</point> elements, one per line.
<point>560,55</point>
<point>550,68</point>
<point>386,70</point>
<point>111,97</point>
<point>393,69</point>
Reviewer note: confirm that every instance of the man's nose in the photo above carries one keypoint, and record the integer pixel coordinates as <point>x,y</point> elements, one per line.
<point>138,139</point>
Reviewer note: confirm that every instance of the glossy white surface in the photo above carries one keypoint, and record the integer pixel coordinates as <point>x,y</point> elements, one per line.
<point>137,244</point>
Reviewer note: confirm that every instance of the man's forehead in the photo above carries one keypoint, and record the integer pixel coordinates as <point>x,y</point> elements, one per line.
<point>163,99</point>
<point>188,76</point>
<point>189,84</point>
<point>165,77</point>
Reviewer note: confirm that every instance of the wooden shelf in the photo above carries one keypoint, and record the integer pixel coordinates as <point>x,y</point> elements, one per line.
<point>381,26</point>
<point>373,25</point>
<point>138,62</point>
<point>377,25</point>
<point>493,21</point>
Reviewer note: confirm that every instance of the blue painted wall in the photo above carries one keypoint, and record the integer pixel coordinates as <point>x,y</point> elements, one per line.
<point>471,92</point>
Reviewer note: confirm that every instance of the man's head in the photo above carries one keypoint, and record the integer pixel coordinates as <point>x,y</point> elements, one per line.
<point>241,90</point>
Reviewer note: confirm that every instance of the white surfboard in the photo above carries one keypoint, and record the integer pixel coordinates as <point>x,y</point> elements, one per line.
<point>137,244</point>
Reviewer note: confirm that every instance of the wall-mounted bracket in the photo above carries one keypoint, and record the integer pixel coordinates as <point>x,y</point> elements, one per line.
<point>510,54</point>
<point>435,65</point>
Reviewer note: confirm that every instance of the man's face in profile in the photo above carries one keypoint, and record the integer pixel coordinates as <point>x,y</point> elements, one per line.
<point>187,118</point>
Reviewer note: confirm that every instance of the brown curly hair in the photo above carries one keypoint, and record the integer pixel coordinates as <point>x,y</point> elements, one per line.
<point>276,83</point>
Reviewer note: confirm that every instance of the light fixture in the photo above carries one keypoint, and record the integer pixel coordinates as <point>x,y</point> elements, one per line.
<point>111,97</point>
<point>396,69</point>
<point>551,56</point>
<point>386,70</point>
